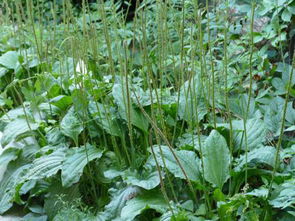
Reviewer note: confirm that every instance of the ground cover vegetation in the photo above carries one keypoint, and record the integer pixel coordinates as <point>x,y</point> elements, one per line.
<point>174,110</point>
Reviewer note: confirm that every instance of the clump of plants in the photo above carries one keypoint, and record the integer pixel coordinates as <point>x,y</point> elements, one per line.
<point>186,112</point>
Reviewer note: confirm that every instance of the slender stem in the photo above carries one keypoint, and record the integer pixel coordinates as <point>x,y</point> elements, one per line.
<point>249,92</point>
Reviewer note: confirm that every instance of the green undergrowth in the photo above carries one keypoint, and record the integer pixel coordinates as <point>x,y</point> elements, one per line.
<point>184,113</point>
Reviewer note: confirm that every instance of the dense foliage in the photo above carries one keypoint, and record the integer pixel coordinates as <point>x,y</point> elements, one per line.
<point>184,113</point>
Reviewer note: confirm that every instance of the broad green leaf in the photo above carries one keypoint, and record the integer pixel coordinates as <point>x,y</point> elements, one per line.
<point>119,199</point>
<point>54,136</point>
<point>286,15</point>
<point>292,128</point>
<point>261,192</point>
<point>119,92</point>
<point>191,100</point>
<point>262,155</point>
<point>256,134</point>
<point>75,161</point>
<point>11,186</point>
<point>35,216</point>
<point>143,202</point>
<point>238,105</point>
<point>279,85</point>
<point>216,159</point>
<point>6,156</point>
<point>112,173</point>
<point>46,166</point>
<point>17,129</point>
<point>291,8</point>
<point>146,179</point>
<point>284,195</point>
<point>12,177</point>
<point>71,126</point>
<point>188,160</point>
<point>62,101</point>
<point>110,167</point>
<point>10,60</point>
<point>273,114</point>
<point>272,121</point>
<point>49,109</point>
<point>191,140</point>
<point>191,107</point>
<point>290,114</point>
<point>25,188</point>
<point>3,71</point>
<point>292,163</point>
<point>105,117</point>
<point>285,69</point>
<point>15,113</point>
<point>148,97</point>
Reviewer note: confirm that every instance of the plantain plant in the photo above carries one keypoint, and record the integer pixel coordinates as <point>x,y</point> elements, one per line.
<point>185,112</point>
